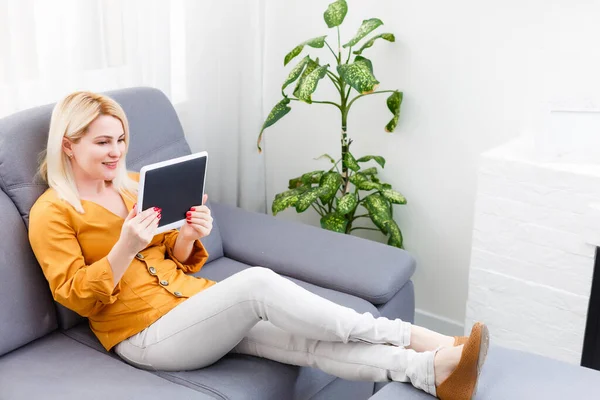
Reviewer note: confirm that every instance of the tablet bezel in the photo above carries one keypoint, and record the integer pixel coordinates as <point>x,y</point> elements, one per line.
<point>150,167</point>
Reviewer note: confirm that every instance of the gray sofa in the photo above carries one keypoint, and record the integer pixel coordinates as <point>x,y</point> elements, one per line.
<point>48,352</point>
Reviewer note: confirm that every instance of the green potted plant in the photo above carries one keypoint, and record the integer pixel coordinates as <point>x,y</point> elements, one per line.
<point>338,194</point>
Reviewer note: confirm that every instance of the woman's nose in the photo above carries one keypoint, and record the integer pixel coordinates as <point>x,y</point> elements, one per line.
<point>115,152</point>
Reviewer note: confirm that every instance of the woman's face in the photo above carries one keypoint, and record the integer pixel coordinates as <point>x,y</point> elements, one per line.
<point>100,150</point>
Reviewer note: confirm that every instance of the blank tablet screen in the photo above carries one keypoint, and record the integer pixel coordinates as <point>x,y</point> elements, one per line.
<point>175,189</point>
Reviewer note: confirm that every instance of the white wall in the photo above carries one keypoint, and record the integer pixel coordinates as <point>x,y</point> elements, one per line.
<point>472,72</point>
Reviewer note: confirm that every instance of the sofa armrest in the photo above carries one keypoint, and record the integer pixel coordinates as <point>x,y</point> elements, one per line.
<point>361,267</point>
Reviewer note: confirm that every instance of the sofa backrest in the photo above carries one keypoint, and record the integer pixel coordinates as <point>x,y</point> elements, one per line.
<point>156,135</point>
<point>26,309</point>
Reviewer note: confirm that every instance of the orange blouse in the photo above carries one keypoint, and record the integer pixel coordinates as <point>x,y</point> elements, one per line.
<point>72,248</point>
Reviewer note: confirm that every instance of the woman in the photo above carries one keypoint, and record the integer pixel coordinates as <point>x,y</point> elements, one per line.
<point>104,261</point>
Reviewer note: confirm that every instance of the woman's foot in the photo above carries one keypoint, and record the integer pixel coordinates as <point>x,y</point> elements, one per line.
<point>445,362</point>
<point>459,340</point>
<point>461,383</point>
<point>423,339</point>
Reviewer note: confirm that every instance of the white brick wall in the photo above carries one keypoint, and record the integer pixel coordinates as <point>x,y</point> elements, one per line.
<point>535,233</point>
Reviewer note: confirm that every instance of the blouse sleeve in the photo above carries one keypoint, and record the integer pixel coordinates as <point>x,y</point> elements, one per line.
<point>79,287</point>
<point>197,258</point>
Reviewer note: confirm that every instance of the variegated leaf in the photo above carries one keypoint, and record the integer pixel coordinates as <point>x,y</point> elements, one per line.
<point>347,203</point>
<point>395,235</point>
<point>317,43</point>
<point>366,61</point>
<point>309,197</point>
<point>295,72</point>
<point>369,171</point>
<point>278,112</point>
<point>359,76</point>
<point>287,199</point>
<point>312,177</point>
<point>309,85</point>
<point>310,67</point>
<point>335,13</point>
<point>331,181</point>
<point>378,159</point>
<point>351,162</point>
<point>394,102</point>
<point>386,36</point>
<point>362,182</point>
<point>393,196</point>
<point>368,26</point>
<point>334,222</point>
<point>379,210</point>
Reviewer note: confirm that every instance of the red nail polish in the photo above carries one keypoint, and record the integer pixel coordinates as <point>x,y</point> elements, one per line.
<point>193,208</point>
<point>156,209</point>
<point>189,214</point>
<point>159,216</point>
<point>188,221</point>
<point>134,205</point>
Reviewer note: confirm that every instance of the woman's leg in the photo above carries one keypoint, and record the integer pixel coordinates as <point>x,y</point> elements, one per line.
<point>352,361</point>
<point>205,327</point>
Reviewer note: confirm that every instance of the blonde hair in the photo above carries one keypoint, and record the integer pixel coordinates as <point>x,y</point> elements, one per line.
<point>71,118</point>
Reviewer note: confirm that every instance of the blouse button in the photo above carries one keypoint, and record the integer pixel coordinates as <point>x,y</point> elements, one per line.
<point>178,294</point>
<point>164,283</point>
<point>139,256</point>
<point>152,270</point>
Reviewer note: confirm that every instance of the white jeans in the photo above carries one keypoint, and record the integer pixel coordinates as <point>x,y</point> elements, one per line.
<point>260,313</point>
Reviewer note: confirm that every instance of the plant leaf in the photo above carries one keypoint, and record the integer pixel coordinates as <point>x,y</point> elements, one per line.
<point>335,13</point>
<point>378,159</point>
<point>317,43</point>
<point>379,210</point>
<point>368,26</point>
<point>366,61</point>
<point>287,199</point>
<point>310,67</point>
<point>325,156</point>
<point>312,177</point>
<point>278,112</point>
<point>393,103</point>
<point>359,76</point>
<point>395,238</point>
<point>369,171</point>
<point>295,72</point>
<point>362,182</point>
<point>393,196</point>
<point>347,203</point>
<point>334,222</point>
<point>309,84</point>
<point>331,181</point>
<point>387,36</point>
<point>309,197</point>
<point>351,162</point>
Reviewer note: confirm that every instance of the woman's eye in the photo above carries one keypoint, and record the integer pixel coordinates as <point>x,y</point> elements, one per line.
<point>121,140</point>
<point>102,142</point>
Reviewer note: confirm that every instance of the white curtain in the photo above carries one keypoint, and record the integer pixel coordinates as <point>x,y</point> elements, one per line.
<point>206,56</point>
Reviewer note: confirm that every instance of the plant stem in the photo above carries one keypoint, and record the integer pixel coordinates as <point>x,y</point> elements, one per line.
<point>366,229</point>
<point>349,54</point>
<point>335,80</point>
<point>317,210</point>
<point>332,52</point>
<point>339,46</point>
<point>360,216</point>
<point>367,94</point>
<point>318,102</point>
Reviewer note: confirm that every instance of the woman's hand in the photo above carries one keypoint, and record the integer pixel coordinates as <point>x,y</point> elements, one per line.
<point>139,229</point>
<point>198,222</point>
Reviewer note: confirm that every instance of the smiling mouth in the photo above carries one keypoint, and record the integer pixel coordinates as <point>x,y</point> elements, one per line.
<point>113,163</point>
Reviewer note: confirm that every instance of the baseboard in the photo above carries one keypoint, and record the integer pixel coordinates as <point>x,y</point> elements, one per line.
<point>438,323</point>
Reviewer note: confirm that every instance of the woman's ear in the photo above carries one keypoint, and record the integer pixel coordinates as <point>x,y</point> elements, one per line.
<point>66,146</point>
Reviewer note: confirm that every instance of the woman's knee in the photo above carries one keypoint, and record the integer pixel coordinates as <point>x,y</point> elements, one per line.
<point>260,275</point>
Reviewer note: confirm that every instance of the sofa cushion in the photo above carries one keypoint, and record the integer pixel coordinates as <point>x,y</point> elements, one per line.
<point>26,308</point>
<point>56,367</point>
<point>156,135</point>
<point>516,375</point>
<point>245,377</point>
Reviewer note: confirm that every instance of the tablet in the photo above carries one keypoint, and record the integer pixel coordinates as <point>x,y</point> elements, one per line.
<point>174,186</point>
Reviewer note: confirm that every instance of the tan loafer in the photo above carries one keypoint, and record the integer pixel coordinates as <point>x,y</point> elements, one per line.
<point>462,382</point>
<point>458,340</point>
